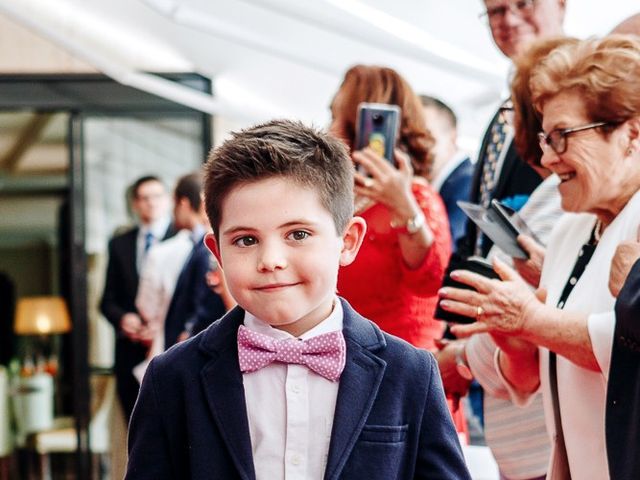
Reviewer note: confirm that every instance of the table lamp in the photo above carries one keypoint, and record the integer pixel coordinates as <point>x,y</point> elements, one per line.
<point>41,316</point>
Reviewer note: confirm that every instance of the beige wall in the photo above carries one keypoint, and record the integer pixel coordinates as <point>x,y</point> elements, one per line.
<point>22,51</point>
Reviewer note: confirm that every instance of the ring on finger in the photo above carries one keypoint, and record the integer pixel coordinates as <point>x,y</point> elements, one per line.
<point>479,312</point>
<point>368,182</point>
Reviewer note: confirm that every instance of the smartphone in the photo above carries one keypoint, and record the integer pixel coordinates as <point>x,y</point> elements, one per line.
<point>511,218</point>
<point>478,265</point>
<point>501,224</point>
<point>377,128</point>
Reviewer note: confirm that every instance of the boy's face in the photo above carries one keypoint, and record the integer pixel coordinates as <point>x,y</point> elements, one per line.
<point>280,252</point>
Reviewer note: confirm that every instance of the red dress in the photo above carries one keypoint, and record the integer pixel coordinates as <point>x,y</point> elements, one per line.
<point>401,301</point>
<point>379,285</point>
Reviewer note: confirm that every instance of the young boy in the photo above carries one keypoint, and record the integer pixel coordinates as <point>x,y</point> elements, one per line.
<point>292,384</point>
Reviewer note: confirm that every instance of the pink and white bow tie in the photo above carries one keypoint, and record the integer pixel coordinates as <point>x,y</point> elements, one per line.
<point>324,354</point>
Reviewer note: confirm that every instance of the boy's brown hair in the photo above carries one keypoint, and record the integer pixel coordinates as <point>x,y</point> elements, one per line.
<point>281,148</point>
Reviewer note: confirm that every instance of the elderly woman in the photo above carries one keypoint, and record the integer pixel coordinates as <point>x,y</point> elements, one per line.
<point>589,99</point>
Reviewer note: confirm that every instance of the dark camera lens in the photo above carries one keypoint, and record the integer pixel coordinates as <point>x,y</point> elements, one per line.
<point>377,118</point>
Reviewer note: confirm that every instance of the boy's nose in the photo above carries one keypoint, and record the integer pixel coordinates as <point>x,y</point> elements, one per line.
<point>271,258</point>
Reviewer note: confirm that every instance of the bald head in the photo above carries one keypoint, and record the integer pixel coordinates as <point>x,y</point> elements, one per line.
<point>629,26</point>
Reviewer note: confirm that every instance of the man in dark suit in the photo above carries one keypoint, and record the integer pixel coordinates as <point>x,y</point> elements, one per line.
<point>194,306</point>
<point>452,169</point>
<point>126,255</point>
<point>623,386</point>
<point>499,172</point>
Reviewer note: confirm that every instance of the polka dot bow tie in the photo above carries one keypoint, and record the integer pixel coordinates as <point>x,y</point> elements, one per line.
<point>324,354</point>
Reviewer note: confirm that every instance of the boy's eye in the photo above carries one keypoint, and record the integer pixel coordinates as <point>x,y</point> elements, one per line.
<point>246,241</point>
<point>299,235</point>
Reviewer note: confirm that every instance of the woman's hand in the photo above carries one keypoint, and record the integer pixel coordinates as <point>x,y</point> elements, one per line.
<point>499,306</point>
<point>530,268</point>
<point>387,184</point>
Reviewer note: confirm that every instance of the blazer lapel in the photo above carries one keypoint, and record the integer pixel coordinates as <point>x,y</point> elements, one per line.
<point>222,382</point>
<point>359,384</point>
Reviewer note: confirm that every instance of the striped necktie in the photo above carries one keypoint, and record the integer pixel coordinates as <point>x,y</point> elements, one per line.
<point>494,148</point>
<point>495,145</point>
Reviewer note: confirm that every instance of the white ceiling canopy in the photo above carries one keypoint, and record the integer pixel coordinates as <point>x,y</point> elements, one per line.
<point>285,58</point>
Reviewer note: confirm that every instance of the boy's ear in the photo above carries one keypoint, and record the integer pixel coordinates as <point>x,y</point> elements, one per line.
<point>212,245</point>
<point>352,239</point>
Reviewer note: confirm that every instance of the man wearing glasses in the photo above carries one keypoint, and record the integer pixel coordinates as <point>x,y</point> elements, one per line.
<point>501,174</point>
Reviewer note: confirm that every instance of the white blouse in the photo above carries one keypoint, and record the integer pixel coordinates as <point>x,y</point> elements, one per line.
<point>582,392</point>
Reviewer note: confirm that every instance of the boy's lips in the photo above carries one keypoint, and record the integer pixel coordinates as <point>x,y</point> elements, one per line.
<point>271,287</point>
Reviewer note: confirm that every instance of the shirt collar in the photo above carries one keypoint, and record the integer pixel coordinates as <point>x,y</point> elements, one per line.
<point>158,228</point>
<point>332,323</point>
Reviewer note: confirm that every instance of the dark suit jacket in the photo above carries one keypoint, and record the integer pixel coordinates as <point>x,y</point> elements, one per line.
<point>391,419</point>
<point>456,187</point>
<point>516,178</point>
<point>193,304</point>
<point>623,390</point>
<point>121,287</point>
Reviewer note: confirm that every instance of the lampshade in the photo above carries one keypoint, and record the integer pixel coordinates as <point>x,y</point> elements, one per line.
<point>41,316</point>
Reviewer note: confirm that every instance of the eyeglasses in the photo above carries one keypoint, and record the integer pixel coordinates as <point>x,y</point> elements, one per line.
<point>521,8</point>
<point>557,139</point>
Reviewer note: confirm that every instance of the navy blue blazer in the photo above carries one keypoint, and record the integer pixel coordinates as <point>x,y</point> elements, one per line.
<point>391,418</point>
<point>456,187</point>
<point>623,389</point>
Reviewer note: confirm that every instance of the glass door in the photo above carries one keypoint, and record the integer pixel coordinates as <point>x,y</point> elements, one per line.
<point>110,152</point>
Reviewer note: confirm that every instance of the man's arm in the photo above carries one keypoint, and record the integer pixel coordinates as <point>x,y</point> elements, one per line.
<point>124,322</point>
<point>109,306</point>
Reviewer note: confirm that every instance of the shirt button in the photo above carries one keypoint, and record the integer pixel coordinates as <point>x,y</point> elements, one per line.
<point>295,460</point>
<point>295,388</point>
<point>573,280</point>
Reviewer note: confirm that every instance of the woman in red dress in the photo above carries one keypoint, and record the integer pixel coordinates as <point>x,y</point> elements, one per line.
<point>395,279</point>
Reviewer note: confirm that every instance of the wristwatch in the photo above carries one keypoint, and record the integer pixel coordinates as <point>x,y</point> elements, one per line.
<point>413,225</point>
<point>462,367</point>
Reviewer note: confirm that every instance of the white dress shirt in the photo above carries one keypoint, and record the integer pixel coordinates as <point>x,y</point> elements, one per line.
<point>158,278</point>
<point>159,275</point>
<point>158,229</point>
<point>290,410</point>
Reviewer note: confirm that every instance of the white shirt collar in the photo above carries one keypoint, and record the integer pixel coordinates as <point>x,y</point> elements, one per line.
<point>332,323</point>
<point>158,228</point>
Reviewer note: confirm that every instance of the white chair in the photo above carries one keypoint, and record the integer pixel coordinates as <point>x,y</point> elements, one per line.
<point>63,437</point>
